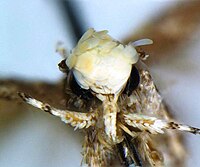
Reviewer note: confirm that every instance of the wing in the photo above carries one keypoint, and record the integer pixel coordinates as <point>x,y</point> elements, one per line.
<point>12,107</point>
<point>158,150</point>
<point>165,30</point>
<point>52,93</point>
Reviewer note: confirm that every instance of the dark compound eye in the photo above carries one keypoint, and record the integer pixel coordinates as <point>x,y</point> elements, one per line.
<point>133,81</point>
<point>76,89</point>
<point>63,67</point>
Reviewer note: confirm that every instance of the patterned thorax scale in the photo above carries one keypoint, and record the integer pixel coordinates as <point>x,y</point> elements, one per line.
<point>101,63</point>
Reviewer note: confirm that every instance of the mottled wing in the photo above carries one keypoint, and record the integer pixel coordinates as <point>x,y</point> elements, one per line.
<point>167,36</point>
<point>52,93</point>
<point>165,29</point>
<point>11,105</point>
<point>167,149</point>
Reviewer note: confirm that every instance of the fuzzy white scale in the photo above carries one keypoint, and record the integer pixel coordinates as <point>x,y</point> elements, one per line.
<point>101,64</point>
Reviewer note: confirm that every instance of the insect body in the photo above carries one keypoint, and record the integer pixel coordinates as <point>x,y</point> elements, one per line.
<point>127,111</point>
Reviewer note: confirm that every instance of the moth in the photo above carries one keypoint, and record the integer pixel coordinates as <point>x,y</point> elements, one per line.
<point>116,104</point>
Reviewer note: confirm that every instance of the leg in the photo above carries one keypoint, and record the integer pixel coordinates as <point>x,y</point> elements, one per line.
<point>154,125</point>
<point>75,119</point>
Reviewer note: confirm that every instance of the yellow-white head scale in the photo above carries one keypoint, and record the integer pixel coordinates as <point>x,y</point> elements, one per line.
<point>101,63</point>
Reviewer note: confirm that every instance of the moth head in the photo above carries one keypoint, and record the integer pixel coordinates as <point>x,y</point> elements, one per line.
<point>101,64</point>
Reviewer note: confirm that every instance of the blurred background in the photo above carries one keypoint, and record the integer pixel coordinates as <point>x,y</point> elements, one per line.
<point>29,31</point>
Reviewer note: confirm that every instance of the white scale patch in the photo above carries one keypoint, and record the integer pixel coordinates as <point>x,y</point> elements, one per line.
<point>101,63</point>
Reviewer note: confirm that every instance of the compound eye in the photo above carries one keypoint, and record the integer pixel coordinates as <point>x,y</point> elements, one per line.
<point>132,82</point>
<point>76,89</point>
<point>63,67</point>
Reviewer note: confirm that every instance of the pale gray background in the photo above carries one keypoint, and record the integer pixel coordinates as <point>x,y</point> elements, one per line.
<point>29,31</point>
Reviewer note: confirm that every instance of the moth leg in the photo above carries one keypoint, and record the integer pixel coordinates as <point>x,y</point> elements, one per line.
<point>95,153</point>
<point>75,119</point>
<point>154,125</point>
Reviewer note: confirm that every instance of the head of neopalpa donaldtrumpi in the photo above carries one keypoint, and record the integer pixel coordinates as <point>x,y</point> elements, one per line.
<point>102,64</point>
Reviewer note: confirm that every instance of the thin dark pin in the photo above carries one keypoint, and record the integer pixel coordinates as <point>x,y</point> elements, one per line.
<point>71,10</point>
<point>128,153</point>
